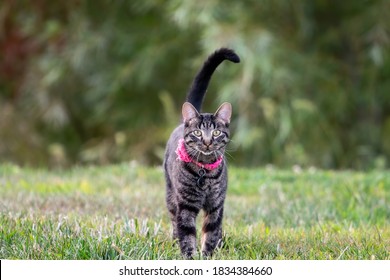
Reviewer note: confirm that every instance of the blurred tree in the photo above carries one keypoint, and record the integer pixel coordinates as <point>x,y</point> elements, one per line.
<point>102,81</point>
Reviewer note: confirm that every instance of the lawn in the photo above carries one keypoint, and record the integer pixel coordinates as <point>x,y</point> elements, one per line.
<point>118,212</point>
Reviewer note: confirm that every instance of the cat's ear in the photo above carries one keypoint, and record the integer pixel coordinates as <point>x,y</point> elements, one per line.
<point>189,112</point>
<point>224,112</point>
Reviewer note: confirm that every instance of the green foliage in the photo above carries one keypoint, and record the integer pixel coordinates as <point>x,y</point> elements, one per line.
<point>118,212</point>
<point>103,81</point>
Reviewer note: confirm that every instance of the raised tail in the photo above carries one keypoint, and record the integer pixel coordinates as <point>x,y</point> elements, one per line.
<point>199,86</point>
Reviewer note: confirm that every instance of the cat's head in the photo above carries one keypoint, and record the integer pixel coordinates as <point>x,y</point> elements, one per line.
<point>206,135</point>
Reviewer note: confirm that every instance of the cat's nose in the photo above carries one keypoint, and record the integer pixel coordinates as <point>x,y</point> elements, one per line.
<point>207,142</point>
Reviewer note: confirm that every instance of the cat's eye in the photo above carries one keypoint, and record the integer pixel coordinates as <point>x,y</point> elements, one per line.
<point>216,132</point>
<point>197,133</point>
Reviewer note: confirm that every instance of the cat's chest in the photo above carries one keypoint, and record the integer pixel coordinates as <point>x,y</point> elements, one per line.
<point>208,180</point>
<point>210,190</point>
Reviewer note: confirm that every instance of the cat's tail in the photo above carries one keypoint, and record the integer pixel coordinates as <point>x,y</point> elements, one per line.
<point>199,86</point>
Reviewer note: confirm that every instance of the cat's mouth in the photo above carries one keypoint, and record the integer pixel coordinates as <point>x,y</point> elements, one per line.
<point>207,153</point>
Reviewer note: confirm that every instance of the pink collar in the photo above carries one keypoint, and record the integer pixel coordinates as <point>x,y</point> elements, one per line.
<point>184,156</point>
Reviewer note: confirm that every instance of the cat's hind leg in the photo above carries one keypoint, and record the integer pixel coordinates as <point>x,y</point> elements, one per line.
<point>172,209</point>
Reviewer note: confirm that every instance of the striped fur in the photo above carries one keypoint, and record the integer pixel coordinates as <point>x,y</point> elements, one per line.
<point>205,137</point>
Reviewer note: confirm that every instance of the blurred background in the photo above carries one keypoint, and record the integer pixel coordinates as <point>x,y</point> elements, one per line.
<point>103,81</point>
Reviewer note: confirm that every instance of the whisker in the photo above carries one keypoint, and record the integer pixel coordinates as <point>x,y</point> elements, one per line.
<point>229,155</point>
<point>199,154</point>
<point>194,153</point>
<point>216,154</point>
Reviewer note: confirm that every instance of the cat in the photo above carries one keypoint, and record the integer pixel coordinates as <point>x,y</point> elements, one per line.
<point>194,165</point>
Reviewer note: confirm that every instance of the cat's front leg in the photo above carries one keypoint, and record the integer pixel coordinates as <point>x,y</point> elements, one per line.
<point>212,231</point>
<point>186,229</point>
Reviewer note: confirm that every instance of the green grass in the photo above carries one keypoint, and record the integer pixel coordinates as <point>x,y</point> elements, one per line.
<point>118,212</point>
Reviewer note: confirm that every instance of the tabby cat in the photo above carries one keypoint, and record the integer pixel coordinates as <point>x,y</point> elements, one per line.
<point>195,170</point>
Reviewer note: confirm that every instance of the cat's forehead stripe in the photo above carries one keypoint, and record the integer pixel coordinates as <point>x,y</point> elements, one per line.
<point>207,125</point>
<point>206,121</point>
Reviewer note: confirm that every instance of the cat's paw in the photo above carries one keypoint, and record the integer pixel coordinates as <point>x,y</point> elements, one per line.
<point>207,254</point>
<point>189,254</point>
